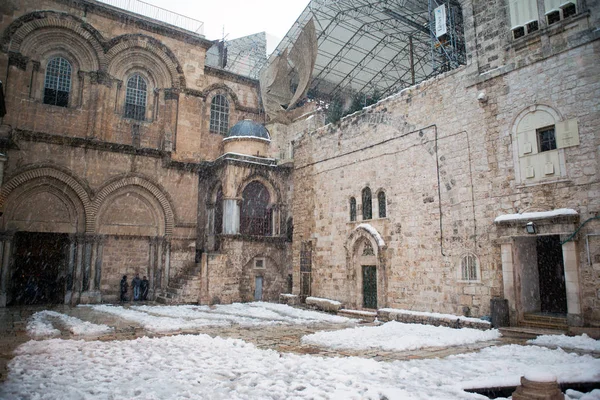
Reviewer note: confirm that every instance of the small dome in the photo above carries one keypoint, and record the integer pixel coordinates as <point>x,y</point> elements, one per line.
<point>248,128</point>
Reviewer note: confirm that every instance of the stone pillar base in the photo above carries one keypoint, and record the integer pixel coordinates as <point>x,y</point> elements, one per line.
<point>90,297</point>
<point>574,320</point>
<point>539,388</point>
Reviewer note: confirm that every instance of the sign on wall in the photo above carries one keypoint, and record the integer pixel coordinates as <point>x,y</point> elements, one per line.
<point>440,20</point>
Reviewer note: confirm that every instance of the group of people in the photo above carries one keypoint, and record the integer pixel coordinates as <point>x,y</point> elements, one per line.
<point>140,288</point>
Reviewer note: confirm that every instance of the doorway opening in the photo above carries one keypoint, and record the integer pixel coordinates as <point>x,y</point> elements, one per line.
<point>258,288</point>
<point>369,280</point>
<point>551,270</point>
<point>39,274</point>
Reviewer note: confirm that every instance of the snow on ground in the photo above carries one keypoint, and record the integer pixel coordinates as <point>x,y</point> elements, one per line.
<point>575,395</point>
<point>201,367</point>
<point>583,342</point>
<point>176,318</point>
<point>40,325</point>
<point>398,336</point>
<point>156,323</point>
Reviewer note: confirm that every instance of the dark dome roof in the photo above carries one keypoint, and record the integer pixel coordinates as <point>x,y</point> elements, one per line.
<point>248,128</point>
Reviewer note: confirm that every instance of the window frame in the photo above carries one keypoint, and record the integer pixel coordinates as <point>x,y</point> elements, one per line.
<point>262,260</point>
<point>219,115</point>
<point>469,273</point>
<point>541,141</point>
<point>352,209</point>
<point>139,111</point>
<point>541,17</point>
<point>367,204</point>
<point>381,199</point>
<point>57,83</point>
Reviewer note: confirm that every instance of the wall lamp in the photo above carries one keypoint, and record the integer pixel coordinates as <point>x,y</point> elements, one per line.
<point>530,228</point>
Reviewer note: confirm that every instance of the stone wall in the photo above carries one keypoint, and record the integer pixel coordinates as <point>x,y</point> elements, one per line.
<point>446,163</point>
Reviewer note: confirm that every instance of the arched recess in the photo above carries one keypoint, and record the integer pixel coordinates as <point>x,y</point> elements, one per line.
<point>65,198</point>
<point>25,34</point>
<point>147,193</point>
<point>365,255</point>
<point>274,192</point>
<point>220,88</point>
<point>127,52</point>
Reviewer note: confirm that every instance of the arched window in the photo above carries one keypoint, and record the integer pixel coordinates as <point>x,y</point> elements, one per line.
<point>367,207</point>
<point>469,268</point>
<point>135,98</point>
<point>381,204</point>
<point>219,114</point>
<point>219,212</point>
<point>57,84</point>
<point>352,209</point>
<point>256,215</point>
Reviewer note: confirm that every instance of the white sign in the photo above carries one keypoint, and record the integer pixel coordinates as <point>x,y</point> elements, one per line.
<point>440,20</point>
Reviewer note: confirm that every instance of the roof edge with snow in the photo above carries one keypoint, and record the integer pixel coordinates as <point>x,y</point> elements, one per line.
<point>531,216</point>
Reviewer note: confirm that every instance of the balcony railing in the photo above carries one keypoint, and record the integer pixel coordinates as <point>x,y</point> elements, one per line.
<point>159,14</point>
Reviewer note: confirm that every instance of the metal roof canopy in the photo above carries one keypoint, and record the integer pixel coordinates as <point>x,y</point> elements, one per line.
<point>376,45</point>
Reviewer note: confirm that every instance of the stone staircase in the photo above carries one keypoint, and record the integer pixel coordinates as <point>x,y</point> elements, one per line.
<point>184,288</point>
<point>544,321</point>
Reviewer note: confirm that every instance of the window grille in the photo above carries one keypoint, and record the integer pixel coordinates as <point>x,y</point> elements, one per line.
<point>546,139</point>
<point>57,84</point>
<point>352,209</point>
<point>381,204</point>
<point>468,266</point>
<point>367,207</point>
<point>219,115</point>
<point>135,98</point>
<point>256,215</point>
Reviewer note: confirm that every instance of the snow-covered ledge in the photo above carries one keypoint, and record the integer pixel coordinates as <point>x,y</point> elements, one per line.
<point>369,228</point>
<point>324,304</point>
<point>532,216</point>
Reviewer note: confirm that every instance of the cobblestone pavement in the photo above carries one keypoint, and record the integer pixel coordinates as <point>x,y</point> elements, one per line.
<point>13,323</point>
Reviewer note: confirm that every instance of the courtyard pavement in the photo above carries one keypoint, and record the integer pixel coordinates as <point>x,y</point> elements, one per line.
<point>281,338</point>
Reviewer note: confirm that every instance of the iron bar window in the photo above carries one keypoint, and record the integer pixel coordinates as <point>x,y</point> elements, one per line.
<point>57,84</point>
<point>219,115</point>
<point>135,98</point>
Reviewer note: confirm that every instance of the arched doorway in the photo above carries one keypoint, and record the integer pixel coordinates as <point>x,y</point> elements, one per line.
<point>365,259</point>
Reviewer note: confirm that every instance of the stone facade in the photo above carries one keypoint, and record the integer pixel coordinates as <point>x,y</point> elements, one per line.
<point>129,192</point>
<point>446,155</point>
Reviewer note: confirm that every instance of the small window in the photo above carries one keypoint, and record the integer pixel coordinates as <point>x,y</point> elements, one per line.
<point>468,268</point>
<point>135,98</point>
<point>367,206</point>
<point>259,263</point>
<point>569,10</point>
<point>518,32</point>
<point>352,209</point>
<point>546,139</point>
<point>219,115</point>
<point>533,26</point>
<point>381,204</point>
<point>553,17</point>
<point>57,84</point>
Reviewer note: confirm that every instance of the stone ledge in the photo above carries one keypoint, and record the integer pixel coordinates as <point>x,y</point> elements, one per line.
<point>289,299</point>
<point>410,318</point>
<point>323,304</point>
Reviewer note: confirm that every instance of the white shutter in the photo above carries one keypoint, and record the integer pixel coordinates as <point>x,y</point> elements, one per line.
<point>522,12</point>
<point>566,133</point>
<point>552,5</point>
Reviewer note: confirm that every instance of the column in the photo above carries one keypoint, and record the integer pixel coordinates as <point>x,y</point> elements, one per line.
<point>87,264</point>
<point>231,216</point>
<point>98,265</point>
<point>78,273</point>
<point>167,263</point>
<point>159,264</point>
<point>151,268</point>
<point>570,260</point>
<point>5,248</point>
<point>70,269</point>
<point>508,279</point>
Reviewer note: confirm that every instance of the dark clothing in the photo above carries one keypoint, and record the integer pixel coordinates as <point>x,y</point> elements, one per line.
<point>145,285</point>
<point>136,283</point>
<point>124,289</point>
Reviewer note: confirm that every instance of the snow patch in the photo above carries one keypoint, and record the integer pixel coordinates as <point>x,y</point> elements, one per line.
<point>535,215</point>
<point>369,228</point>
<point>583,342</point>
<point>398,336</point>
<point>40,325</point>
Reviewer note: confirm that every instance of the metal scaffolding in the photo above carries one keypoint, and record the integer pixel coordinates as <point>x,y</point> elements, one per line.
<point>243,56</point>
<point>382,46</point>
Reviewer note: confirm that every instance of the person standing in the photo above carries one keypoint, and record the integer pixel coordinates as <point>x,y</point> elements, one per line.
<point>136,283</point>
<point>145,286</point>
<point>124,288</point>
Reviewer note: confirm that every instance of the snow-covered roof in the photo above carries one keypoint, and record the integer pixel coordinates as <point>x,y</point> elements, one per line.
<point>561,212</point>
<point>369,228</point>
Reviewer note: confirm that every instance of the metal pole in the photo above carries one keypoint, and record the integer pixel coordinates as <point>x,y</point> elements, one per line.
<point>412,60</point>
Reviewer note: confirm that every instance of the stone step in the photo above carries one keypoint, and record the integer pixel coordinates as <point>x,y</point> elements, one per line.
<point>529,332</point>
<point>545,318</point>
<point>360,314</point>
<point>545,325</point>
